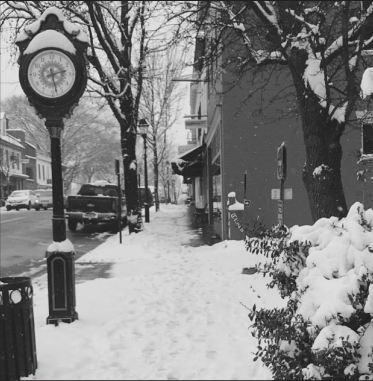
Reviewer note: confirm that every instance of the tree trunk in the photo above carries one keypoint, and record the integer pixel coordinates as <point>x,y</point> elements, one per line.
<point>321,134</point>
<point>128,144</point>
<point>324,152</point>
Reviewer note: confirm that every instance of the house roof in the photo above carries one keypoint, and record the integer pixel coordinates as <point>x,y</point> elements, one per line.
<point>11,140</point>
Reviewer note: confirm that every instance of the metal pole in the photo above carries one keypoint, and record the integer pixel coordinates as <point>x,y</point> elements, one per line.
<point>281,204</point>
<point>168,185</point>
<point>119,201</point>
<point>58,219</point>
<point>60,261</point>
<point>146,204</point>
<point>244,184</point>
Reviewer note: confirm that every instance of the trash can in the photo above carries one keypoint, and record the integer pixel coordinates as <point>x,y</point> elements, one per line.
<point>17,332</point>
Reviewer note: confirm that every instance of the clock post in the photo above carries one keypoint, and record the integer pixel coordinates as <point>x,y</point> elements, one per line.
<point>53,75</point>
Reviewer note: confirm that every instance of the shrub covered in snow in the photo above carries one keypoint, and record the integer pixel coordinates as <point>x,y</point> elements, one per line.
<point>326,273</point>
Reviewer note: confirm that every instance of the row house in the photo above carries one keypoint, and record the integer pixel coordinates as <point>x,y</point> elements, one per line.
<point>238,121</point>
<point>22,165</point>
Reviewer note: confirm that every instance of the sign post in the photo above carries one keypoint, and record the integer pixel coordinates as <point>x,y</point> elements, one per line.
<point>246,202</point>
<point>281,175</point>
<point>117,171</point>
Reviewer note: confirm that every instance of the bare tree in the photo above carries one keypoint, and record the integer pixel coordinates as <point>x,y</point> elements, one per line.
<point>90,141</point>
<point>322,44</point>
<point>121,35</point>
<point>160,105</point>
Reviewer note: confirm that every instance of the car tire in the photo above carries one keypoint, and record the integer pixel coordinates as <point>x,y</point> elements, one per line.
<point>45,208</point>
<point>29,206</point>
<point>72,224</point>
<point>37,207</point>
<point>17,207</point>
<point>8,208</point>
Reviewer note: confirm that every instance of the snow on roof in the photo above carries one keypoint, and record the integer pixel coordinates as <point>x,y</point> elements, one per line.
<point>101,183</point>
<point>180,156</point>
<point>11,140</point>
<point>50,39</point>
<point>366,85</point>
<point>31,145</point>
<point>71,28</point>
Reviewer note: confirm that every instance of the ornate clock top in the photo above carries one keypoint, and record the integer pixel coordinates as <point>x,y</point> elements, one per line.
<point>66,26</point>
<point>53,65</point>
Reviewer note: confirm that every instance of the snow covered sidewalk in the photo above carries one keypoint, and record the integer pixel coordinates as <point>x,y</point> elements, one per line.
<point>167,311</point>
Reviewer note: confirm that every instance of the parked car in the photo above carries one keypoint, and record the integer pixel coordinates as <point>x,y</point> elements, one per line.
<point>45,198</point>
<point>96,203</point>
<point>22,199</point>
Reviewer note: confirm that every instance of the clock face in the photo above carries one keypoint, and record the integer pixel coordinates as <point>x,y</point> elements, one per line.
<point>51,73</point>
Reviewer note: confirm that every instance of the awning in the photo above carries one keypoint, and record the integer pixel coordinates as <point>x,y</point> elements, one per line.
<point>190,163</point>
<point>19,175</point>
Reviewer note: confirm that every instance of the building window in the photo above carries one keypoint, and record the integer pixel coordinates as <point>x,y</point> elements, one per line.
<point>29,172</point>
<point>39,172</point>
<point>43,172</point>
<point>367,137</point>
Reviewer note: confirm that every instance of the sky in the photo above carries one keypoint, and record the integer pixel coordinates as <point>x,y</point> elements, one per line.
<point>9,73</point>
<point>169,309</point>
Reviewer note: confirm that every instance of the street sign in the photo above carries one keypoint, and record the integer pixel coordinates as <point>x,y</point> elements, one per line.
<point>281,162</point>
<point>288,194</point>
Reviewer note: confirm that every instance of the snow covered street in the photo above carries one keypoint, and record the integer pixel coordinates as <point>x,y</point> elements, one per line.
<point>167,311</point>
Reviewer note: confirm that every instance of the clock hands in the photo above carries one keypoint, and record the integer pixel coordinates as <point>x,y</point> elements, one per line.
<point>52,75</point>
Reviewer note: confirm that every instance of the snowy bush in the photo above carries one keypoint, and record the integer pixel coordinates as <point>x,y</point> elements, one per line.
<point>287,257</point>
<point>325,271</point>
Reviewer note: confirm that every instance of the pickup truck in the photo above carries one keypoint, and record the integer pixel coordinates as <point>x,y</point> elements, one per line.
<point>96,203</point>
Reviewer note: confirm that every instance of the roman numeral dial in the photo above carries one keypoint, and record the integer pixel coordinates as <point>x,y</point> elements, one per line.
<point>51,73</point>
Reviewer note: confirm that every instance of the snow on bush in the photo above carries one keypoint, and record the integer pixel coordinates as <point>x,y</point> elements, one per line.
<point>326,273</point>
<point>366,84</point>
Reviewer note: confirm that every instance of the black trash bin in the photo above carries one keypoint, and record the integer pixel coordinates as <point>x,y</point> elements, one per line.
<point>17,332</point>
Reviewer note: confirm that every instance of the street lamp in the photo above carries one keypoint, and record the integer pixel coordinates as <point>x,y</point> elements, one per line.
<point>168,181</point>
<point>143,129</point>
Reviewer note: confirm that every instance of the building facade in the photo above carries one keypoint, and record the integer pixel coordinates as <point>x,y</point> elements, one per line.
<point>241,119</point>
<point>22,165</point>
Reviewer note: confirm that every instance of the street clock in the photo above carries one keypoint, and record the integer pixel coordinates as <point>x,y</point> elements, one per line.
<point>53,76</point>
<point>51,73</point>
<point>53,65</point>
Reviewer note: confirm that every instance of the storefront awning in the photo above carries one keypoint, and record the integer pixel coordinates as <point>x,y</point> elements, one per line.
<point>190,163</point>
<point>19,175</point>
